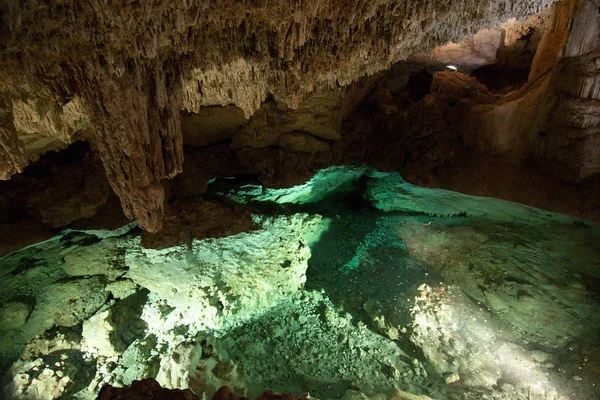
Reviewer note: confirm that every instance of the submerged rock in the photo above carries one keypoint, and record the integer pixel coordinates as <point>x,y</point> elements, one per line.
<point>494,301</point>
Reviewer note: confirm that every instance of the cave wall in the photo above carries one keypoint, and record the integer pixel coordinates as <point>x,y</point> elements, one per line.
<point>537,144</point>
<point>555,116</point>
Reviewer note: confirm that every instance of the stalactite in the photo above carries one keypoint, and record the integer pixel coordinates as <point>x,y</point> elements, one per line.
<point>136,65</point>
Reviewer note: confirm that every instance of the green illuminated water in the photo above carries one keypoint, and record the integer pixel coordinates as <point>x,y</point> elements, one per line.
<point>355,282</point>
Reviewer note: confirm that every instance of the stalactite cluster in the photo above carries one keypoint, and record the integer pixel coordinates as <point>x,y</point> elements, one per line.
<point>136,64</point>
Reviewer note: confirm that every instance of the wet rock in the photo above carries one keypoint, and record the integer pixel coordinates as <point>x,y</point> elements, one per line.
<point>68,303</point>
<point>13,315</point>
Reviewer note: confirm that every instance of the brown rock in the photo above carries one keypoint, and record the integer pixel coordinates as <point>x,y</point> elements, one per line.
<point>455,85</point>
<point>194,218</point>
<point>211,125</point>
<point>61,188</point>
<point>553,40</point>
<point>302,143</point>
<point>270,395</point>
<point>201,165</point>
<point>224,393</point>
<point>146,389</point>
<point>18,235</point>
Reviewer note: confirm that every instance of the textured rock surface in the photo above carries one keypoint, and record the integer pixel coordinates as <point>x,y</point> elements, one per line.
<point>233,278</point>
<point>407,119</point>
<point>59,189</point>
<point>197,219</point>
<point>488,46</point>
<point>13,315</point>
<point>555,117</point>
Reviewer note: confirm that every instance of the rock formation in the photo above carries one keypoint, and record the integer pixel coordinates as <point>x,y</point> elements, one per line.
<point>522,127</point>
<point>279,158</point>
<point>356,285</point>
<point>119,75</point>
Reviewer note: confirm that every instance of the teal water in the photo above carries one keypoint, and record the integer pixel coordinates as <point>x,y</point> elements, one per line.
<point>356,282</point>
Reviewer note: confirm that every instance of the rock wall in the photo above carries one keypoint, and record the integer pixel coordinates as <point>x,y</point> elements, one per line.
<point>554,117</point>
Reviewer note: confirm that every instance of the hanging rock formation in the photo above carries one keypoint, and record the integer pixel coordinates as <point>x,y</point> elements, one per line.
<point>136,64</point>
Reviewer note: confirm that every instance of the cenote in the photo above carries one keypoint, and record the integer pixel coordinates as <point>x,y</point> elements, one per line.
<point>354,285</point>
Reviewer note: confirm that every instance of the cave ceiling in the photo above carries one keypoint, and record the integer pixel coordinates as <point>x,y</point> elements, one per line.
<point>137,105</point>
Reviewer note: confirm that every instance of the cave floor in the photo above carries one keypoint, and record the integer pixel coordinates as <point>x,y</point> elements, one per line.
<point>354,285</point>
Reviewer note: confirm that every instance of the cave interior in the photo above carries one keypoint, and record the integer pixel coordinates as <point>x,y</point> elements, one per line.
<point>300,199</point>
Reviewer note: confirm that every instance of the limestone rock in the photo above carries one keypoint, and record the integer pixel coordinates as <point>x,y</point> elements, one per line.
<point>554,39</point>
<point>456,85</point>
<point>210,125</point>
<point>458,327</point>
<point>555,115</point>
<point>104,258</point>
<point>34,375</point>
<point>13,315</point>
<point>391,192</point>
<point>60,188</point>
<point>488,46</point>
<point>327,182</point>
<point>139,361</point>
<point>215,283</point>
<point>12,150</point>
<point>43,125</point>
<point>68,303</point>
<point>46,383</point>
<point>302,142</point>
<point>196,366</point>
<point>96,335</point>
<point>397,395</point>
<point>121,289</point>
<point>200,166</point>
<point>187,220</point>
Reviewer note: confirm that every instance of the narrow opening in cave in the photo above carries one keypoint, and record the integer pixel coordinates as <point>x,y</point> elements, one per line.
<point>292,201</point>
